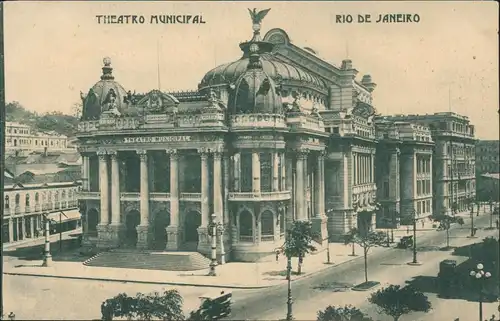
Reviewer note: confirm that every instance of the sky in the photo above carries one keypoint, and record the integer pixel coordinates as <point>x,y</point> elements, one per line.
<point>447,61</point>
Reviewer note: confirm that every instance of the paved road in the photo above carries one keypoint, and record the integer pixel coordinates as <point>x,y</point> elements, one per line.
<point>253,305</point>
<point>36,298</point>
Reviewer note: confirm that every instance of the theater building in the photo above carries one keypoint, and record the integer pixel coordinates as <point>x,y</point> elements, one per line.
<point>275,136</point>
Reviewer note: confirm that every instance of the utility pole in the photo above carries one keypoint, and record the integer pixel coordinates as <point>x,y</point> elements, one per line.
<point>47,258</point>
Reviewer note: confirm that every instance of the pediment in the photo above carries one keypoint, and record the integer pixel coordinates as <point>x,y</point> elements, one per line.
<point>157,102</point>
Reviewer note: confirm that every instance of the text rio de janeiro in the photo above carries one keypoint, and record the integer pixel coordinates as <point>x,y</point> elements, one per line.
<point>381,18</point>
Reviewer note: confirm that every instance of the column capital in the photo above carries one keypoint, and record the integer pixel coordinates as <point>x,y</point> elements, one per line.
<point>301,153</point>
<point>102,154</point>
<point>204,151</point>
<point>172,152</point>
<point>322,154</point>
<point>113,154</point>
<point>142,154</point>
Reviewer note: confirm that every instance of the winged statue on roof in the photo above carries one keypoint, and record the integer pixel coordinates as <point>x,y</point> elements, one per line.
<point>257,17</point>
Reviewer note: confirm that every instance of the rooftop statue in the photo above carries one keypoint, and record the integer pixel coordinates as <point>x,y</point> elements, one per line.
<point>257,17</point>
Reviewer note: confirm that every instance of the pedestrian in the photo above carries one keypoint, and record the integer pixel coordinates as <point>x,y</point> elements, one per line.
<point>497,223</point>
<point>423,223</point>
<point>408,229</point>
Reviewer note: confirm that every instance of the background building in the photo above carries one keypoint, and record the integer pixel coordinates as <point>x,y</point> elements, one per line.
<point>453,161</point>
<point>487,156</point>
<point>23,139</point>
<point>27,198</point>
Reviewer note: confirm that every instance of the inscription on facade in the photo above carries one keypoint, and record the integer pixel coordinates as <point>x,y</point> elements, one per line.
<point>156,139</point>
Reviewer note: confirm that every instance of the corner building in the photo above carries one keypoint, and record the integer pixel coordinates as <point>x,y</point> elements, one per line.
<point>275,136</point>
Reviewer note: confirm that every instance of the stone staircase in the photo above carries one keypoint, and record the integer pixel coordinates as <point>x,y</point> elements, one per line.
<point>150,260</point>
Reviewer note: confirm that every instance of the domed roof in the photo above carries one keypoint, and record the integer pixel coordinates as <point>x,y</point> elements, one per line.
<point>278,70</point>
<point>255,93</point>
<point>106,94</point>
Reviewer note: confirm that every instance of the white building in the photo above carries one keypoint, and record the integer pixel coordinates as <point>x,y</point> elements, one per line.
<point>23,138</point>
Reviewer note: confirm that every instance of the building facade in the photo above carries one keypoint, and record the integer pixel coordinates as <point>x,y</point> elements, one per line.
<point>275,136</point>
<point>453,163</point>
<point>487,159</point>
<point>22,139</point>
<point>26,204</point>
<point>404,171</point>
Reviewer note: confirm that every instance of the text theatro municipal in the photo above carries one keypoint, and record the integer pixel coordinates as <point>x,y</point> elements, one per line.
<point>152,19</point>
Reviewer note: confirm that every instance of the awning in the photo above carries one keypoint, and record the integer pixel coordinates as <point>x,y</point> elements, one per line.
<point>65,216</point>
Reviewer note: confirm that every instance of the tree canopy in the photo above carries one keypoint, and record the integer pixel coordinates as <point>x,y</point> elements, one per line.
<point>396,301</point>
<point>347,313</point>
<point>53,121</point>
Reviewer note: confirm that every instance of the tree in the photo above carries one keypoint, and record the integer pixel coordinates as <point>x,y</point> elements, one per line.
<point>347,313</point>
<point>396,301</point>
<point>350,238</point>
<point>298,242</point>
<point>166,306</point>
<point>367,241</point>
<point>445,222</point>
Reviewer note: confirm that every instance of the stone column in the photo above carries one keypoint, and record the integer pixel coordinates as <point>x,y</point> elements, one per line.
<point>173,228</point>
<point>23,227</point>
<point>320,220</point>
<point>283,172</point>
<point>103,188</point>
<point>288,165</point>
<point>116,226</point>
<point>355,169</point>
<point>301,213</point>
<point>32,227</point>
<point>226,228</point>
<point>256,172</point>
<point>203,239</point>
<point>237,172</point>
<point>85,172</point>
<point>143,227</point>
<point>276,172</point>
<point>11,230</point>
<point>218,206</point>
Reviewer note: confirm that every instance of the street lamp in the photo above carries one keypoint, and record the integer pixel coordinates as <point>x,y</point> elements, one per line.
<point>212,229</point>
<point>47,258</point>
<point>414,218</point>
<point>480,276</point>
<point>471,208</point>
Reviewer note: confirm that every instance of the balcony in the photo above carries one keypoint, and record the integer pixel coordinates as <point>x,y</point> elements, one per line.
<point>158,196</point>
<point>89,195</point>
<point>6,211</point>
<point>17,210</point>
<point>300,121</point>
<point>130,196</point>
<point>259,197</point>
<point>27,209</point>
<point>38,207</point>
<point>193,197</point>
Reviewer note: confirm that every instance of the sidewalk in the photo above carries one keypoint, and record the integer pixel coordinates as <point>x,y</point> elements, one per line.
<point>230,275</point>
<point>40,240</point>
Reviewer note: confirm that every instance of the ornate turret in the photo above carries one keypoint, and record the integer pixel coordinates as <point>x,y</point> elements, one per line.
<point>106,97</point>
<point>254,91</point>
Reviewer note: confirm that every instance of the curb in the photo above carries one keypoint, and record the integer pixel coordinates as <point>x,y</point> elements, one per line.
<point>140,282</point>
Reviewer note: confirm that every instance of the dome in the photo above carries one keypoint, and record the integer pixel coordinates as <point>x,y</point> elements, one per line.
<point>255,93</point>
<point>105,95</point>
<point>277,70</point>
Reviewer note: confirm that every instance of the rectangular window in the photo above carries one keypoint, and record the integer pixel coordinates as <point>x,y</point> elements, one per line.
<point>419,188</point>
<point>419,208</point>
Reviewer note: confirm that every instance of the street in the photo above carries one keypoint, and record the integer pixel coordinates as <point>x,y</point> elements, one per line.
<point>387,267</point>
<point>51,298</point>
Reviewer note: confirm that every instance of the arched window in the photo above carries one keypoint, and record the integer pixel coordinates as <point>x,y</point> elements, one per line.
<point>37,197</point>
<point>15,141</point>
<point>27,200</point>
<point>63,196</point>
<point>56,196</point>
<point>7,203</point>
<point>282,221</point>
<point>266,223</point>
<point>246,172</point>
<point>246,225</point>
<point>266,172</point>
<point>18,199</point>
<point>49,196</point>
<point>70,194</point>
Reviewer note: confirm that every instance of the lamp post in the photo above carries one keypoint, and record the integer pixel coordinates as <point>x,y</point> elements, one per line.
<point>480,276</point>
<point>414,218</point>
<point>212,227</point>
<point>47,258</point>
<point>471,208</point>
<point>220,230</point>
<point>289,301</point>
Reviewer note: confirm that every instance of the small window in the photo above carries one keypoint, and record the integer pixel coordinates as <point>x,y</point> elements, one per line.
<point>7,203</point>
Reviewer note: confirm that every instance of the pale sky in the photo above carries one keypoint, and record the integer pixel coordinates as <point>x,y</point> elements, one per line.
<point>54,50</point>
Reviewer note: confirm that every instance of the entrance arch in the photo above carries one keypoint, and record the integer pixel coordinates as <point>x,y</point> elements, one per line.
<point>191,223</point>
<point>92,221</point>
<point>132,220</point>
<point>161,221</point>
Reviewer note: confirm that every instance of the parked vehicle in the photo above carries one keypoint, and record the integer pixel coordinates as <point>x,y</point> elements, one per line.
<point>405,242</point>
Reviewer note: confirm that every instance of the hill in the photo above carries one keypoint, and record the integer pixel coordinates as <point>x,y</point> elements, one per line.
<point>54,121</point>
